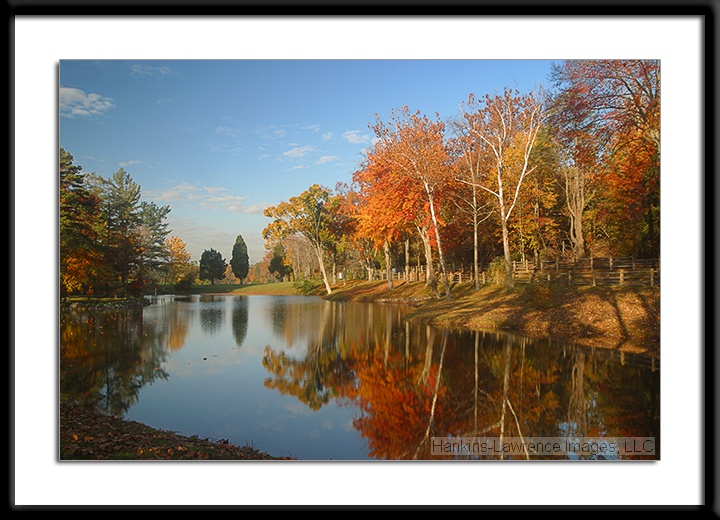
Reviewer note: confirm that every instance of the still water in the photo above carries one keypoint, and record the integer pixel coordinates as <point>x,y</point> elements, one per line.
<point>303,377</point>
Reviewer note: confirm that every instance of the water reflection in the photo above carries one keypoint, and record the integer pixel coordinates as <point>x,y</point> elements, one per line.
<point>410,383</point>
<point>108,356</point>
<point>401,384</point>
<point>211,314</point>
<point>240,319</point>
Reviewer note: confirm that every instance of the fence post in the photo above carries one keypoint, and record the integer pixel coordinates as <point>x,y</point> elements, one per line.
<point>611,263</point>
<point>483,273</point>
<point>633,262</point>
<point>652,280</point>
<point>569,277</point>
<point>622,276</point>
<point>557,263</point>
<point>591,268</point>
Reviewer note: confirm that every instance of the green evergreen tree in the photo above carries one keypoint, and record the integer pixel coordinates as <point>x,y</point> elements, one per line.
<point>212,266</point>
<point>240,262</point>
<point>120,197</point>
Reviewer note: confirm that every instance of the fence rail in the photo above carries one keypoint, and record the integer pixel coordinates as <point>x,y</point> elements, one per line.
<point>582,271</point>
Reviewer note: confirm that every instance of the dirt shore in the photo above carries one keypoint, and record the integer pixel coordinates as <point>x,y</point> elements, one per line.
<point>625,318</point>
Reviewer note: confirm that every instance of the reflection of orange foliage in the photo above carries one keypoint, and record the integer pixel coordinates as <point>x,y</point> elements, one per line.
<point>73,340</point>
<point>176,338</point>
<point>395,410</point>
<point>177,328</point>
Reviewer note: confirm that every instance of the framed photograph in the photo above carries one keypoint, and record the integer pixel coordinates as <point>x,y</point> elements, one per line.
<point>279,257</point>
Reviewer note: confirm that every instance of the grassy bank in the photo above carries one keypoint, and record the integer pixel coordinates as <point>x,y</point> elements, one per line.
<point>626,318</point>
<point>274,289</point>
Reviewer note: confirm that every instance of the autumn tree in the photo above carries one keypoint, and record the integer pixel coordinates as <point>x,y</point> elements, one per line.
<point>412,145</point>
<point>535,225</point>
<point>472,164</point>
<point>342,227</point>
<point>240,261</point>
<point>178,263</point>
<point>355,197</point>
<point>212,266</point>
<point>297,258</point>
<point>308,215</point>
<point>507,125</point>
<point>617,102</point>
<point>80,226</point>
<point>384,206</point>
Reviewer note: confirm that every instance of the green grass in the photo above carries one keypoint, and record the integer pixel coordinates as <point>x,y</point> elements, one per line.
<point>274,289</point>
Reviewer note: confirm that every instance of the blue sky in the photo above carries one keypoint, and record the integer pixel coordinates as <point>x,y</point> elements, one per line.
<point>220,140</point>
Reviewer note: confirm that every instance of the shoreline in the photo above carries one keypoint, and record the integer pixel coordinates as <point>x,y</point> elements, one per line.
<point>622,318</point>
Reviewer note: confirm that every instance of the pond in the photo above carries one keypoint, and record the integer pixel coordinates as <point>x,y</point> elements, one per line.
<point>312,379</point>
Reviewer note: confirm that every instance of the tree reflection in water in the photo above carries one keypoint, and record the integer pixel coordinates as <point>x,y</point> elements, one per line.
<point>410,383</point>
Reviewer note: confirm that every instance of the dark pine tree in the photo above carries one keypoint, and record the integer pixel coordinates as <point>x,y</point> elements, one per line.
<point>240,262</point>
<point>212,266</point>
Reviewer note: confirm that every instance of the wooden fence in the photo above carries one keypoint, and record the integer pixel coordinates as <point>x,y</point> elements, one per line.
<point>582,271</point>
<point>591,271</point>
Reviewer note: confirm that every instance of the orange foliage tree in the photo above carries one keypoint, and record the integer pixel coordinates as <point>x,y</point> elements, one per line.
<point>412,147</point>
<point>618,103</point>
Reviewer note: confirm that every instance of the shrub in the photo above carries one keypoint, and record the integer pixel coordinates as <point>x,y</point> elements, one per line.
<point>305,286</point>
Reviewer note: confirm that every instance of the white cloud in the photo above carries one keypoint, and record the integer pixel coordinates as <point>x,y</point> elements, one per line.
<point>255,209</point>
<point>356,136</point>
<point>137,69</point>
<point>210,197</point>
<point>298,167</point>
<point>327,158</point>
<point>327,136</point>
<point>126,164</point>
<point>176,193</point>
<point>75,102</point>
<point>226,131</point>
<point>211,189</point>
<point>299,151</point>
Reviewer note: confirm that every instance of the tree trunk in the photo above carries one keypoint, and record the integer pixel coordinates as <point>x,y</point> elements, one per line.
<point>407,259</point>
<point>437,238</point>
<point>575,200</point>
<point>476,246</point>
<point>506,251</point>
<point>318,253</point>
<point>430,279</point>
<point>388,266</point>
